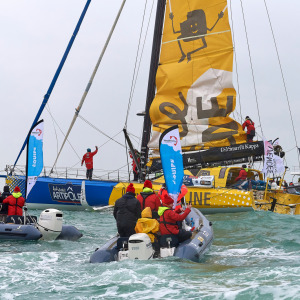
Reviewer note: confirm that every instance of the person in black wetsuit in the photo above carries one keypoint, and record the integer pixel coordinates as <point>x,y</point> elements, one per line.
<point>127,211</point>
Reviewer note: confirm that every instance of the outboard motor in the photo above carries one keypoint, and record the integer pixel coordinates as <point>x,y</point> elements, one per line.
<point>140,247</point>
<point>50,223</point>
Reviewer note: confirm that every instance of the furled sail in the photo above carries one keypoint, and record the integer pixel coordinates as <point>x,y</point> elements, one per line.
<point>194,77</point>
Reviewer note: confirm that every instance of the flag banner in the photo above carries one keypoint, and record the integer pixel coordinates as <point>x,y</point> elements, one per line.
<point>273,163</point>
<point>35,161</point>
<point>172,163</point>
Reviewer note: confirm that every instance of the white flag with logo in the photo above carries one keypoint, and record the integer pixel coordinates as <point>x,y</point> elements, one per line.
<point>273,163</point>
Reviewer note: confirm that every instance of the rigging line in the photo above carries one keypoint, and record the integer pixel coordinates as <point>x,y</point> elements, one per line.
<point>135,66</point>
<point>77,110</point>
<point>137,137</point>
<point>93,126</point>
<point>49,111</point>
<point>283,80</point>
<point>53,120</point>
<point>143,47</point>
<point>236,64</point>
<point>291,149</point>
<point>252,71</point>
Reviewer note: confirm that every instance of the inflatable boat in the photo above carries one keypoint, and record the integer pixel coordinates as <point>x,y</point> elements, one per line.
<point>48,227</point>
<point>139,246</point>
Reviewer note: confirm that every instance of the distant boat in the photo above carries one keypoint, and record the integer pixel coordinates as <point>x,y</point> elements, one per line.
<point>49,226</point>
<point>190,84</point>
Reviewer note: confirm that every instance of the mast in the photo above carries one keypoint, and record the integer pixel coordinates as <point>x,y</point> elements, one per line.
<point>77,110</point>
<point>47,96</point>
<point>159,21</point>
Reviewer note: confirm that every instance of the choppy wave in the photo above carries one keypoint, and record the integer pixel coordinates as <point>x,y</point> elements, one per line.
<point>255,255</point>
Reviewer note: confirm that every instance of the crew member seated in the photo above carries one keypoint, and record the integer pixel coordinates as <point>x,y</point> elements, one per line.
<point>148,198</point>
<point>147,225</point>
<point>242,177</point>
<point>168,222</point>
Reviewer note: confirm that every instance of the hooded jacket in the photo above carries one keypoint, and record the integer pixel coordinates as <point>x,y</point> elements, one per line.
<point>15,203</point>
<point>168,219</point>
<point>148,198</point>
<point>146,224</point>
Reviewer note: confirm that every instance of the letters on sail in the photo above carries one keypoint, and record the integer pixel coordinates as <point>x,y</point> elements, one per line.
<point>194,78</point>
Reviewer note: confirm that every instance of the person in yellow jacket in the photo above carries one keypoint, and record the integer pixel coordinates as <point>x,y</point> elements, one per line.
<point>146,224</point>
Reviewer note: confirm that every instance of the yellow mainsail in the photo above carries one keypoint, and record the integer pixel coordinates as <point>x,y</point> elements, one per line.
<point>194,78</point>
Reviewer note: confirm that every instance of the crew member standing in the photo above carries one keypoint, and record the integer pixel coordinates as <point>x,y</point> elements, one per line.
<point>134,166</point>
<point>249,124</point>
<point>127,211</point>
<point>88,159</point>
<point>15,203</point>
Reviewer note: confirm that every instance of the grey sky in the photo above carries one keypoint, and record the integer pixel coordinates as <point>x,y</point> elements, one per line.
<point>34,35</point>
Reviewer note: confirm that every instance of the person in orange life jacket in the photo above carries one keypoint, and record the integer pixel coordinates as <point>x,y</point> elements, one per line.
<point>127,211</point>
<point>168,219</point>
<point>15,203</point>
<point>148,198</point>
<point>147,225</point>
<point>88,159</point>
<point>249,124</point>
<point>134,166</point>
<point>5,194</point>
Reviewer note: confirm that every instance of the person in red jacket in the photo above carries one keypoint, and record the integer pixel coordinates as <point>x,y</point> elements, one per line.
<point>169,218</point>
<point>134,166</point>
<point>249,124</point>
<point>242,177</point>
<point>88,159</point>
<point>15,203</point>
<point>148,198</point>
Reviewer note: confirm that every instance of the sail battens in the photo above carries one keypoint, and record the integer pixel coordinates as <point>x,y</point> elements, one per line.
<point>197,36</point>
<point>194,78</point>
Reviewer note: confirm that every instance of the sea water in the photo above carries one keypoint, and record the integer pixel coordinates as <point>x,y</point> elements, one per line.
<point>255,255</point>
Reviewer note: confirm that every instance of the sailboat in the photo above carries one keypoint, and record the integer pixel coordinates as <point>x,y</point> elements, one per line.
<point>50,225</point>
<point>190,84</point>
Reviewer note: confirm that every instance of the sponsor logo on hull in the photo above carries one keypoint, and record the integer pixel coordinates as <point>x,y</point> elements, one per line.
<point>65,193</point>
